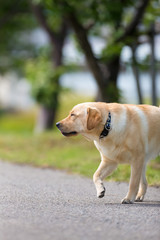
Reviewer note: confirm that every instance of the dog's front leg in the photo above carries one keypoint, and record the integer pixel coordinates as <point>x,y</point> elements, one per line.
<point>105,169</point>
<point>136,171</point>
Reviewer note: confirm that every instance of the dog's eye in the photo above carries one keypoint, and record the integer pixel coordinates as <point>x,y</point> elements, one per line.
<point>72,114</point>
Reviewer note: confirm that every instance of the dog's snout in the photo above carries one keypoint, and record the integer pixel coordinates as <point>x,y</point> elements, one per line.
<point>58,124</point>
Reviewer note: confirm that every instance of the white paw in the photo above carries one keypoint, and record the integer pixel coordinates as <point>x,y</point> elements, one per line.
<point>126,201</point>
<point>139,198</point>
<point>101,193</point>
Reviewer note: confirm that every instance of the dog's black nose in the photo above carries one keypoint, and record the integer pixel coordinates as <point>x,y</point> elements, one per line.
<point>58,125</point>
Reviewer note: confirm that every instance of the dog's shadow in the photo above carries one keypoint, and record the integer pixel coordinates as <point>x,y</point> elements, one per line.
<point>138,204</point>
<point>149,203</point>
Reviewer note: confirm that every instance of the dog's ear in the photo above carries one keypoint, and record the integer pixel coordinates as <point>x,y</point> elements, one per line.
<point>93,118</point>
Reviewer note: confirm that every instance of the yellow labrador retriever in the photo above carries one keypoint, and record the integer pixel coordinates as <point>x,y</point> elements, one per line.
<point>122,133</point>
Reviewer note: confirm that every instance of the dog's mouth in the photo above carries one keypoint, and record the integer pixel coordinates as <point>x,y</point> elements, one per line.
<point>69,134</point>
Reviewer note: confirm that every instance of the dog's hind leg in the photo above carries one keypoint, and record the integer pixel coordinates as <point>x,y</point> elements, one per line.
<point>105,169</point>
<point>143,185</point>
<point>136,172</point>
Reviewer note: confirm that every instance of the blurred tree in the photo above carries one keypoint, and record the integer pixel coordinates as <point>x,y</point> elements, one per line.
<point>120,23</point>
<point>93,17</point>
<point>16,24</point>
<point>136,73</point>
<point>149,28</point>
<point>152,24</point>
<point>56,30</point>
<point>45,89</point>
<point>153,64</point>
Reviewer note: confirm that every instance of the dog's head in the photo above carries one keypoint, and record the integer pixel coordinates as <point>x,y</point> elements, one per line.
<point>83,118</point>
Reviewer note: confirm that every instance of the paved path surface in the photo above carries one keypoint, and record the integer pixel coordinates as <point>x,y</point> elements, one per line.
<point>42,204</point>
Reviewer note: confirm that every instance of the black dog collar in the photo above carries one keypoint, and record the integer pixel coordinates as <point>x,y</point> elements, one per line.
<point>107,127</point>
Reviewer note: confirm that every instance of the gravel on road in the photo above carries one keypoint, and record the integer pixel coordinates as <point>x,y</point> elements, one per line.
<point>46,204</point>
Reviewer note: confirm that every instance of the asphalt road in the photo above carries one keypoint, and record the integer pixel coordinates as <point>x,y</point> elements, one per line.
<point>44,204</point>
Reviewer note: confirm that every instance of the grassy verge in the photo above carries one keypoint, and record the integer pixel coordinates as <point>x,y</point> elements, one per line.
<point>51,149</point>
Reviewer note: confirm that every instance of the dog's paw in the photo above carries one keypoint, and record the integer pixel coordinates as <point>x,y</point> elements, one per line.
<point>126,201</point>
<point>139,198</point>
<point>101,194</point>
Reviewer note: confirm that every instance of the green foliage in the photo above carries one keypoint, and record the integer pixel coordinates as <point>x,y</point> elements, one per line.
<point>152,13</point>
<point>103,11</point>
<point>111,51</point>
<point>16,24</point>
<point>44,79</point>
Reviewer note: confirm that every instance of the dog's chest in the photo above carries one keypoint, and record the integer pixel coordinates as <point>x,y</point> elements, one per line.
<point>114,152</point>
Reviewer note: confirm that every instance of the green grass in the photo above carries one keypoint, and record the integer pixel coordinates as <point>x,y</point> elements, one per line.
<point>77,155</point>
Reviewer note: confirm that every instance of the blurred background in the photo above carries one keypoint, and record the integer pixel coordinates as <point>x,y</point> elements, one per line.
<point>57,53</point>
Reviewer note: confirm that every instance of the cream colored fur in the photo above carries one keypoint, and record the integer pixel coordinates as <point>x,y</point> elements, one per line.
<point>134,138</point>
